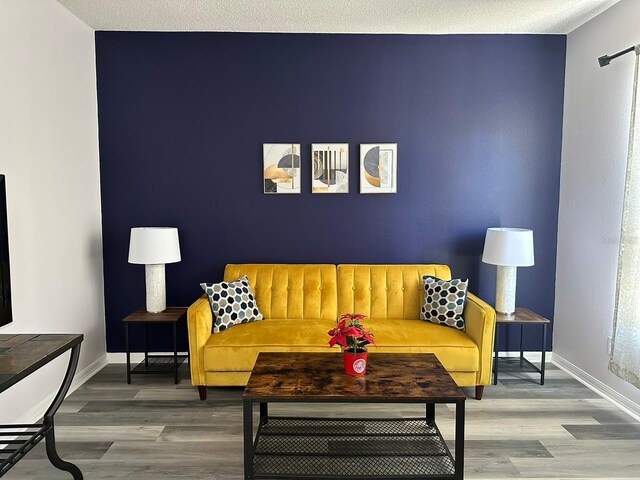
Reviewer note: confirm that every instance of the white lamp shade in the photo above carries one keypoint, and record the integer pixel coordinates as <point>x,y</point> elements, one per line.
<point>509,247</point>
<point>154,245</point>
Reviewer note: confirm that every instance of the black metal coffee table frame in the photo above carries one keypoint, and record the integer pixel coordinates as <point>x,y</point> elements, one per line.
<point>271,459</point>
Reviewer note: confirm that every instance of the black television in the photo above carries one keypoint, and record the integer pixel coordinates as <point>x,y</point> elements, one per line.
<point>6,315</point>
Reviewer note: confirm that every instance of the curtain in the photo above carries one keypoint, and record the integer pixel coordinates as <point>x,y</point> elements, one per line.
<point>625,354</point>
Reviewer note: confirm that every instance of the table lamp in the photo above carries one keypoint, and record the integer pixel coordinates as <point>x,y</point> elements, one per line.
<point>508,248</point>
<point>154,247</point>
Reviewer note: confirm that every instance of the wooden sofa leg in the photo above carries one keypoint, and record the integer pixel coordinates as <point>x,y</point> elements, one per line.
<point>479,391</point>
<point>202,391</point>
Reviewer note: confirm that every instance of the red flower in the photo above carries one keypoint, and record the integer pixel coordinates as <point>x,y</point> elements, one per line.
<point>369,338</point>
<point>352,335</point>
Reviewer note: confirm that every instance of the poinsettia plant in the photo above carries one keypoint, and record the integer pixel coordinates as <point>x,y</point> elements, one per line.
<point>351,334</point>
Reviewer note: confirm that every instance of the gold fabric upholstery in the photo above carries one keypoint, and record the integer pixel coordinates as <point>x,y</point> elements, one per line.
<point>385,291</point>
<point>290,291</point>
<point>238,347</point>
<point>301,303</point>
<point>480,325</point>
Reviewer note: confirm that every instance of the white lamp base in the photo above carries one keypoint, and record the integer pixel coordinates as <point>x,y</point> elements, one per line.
<point>506,290</point>
<point>156,288</point>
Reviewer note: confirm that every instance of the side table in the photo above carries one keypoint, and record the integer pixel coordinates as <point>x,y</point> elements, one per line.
<point>522,317</point>
<point>156,364</point>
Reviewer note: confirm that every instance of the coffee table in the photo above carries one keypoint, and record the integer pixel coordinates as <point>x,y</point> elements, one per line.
<point>350,448</point>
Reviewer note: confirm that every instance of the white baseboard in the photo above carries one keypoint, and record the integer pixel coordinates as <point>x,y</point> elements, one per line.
<point>35,413</point>
<point>605,391</point>
<point>136,357</point>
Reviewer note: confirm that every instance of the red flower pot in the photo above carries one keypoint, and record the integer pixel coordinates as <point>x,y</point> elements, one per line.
<point>355,363</point>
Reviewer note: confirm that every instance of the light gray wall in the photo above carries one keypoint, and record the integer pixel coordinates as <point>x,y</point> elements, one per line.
<point>597,110</point>
<point>49,153</point>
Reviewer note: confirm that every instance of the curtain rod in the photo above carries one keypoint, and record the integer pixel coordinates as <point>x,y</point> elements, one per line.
<point>606,59</point>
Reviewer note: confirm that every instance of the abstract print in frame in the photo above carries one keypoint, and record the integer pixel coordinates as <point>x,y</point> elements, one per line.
<point>378,167</point>
<point>330,168</point>
<point>281,167</point>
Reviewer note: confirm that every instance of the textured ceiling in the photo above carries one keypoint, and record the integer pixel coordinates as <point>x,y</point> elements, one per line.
<point>339,16</point>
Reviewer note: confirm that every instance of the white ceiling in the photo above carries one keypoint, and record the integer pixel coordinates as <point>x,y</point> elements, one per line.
<point>339,16</point>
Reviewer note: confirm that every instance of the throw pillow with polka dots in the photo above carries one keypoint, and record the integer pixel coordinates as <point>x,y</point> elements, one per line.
<point>232,303</point>
<point>444,301</point>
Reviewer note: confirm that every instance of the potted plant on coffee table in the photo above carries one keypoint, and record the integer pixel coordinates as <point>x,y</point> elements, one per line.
<point>351,335</point>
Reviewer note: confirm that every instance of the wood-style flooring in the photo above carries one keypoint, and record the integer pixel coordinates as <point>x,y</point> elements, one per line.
<point>155,430</point>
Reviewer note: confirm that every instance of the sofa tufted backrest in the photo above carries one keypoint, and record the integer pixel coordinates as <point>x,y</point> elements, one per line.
<point>286,291</point>
<point>385,291</point>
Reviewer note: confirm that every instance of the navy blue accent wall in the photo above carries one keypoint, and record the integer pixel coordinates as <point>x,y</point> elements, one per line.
<point>183,116</point>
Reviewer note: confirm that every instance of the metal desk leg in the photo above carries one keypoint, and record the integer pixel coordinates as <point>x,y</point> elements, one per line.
<point>495,359</point>
<point>126,341</point>
<point>521,348</point>
<point>459,460</point>
<point>175,353</point>
<point>247,424</point>
<point>544,351</point>
<point>50,441</point>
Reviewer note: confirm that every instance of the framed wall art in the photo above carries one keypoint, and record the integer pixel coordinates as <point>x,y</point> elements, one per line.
<point>378,167</point>
<point>281,167</point>
<point>330,168</point>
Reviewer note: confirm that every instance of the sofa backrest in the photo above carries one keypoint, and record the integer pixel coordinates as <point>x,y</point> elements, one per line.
<point>286,291</point>
<point>385,291</point>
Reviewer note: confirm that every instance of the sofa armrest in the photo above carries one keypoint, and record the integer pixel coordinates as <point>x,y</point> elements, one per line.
<point>199,324</point>
<point>480,322</point>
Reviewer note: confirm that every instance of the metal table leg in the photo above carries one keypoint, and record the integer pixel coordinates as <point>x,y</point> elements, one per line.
<point>459,460</point>
<point>247,424</point>
<point>544,351</point>
<point>146,345</point>
<point>126,341</point>
<point>188,355</point>
<point>50,441</point>
<point>431,413</point>
<point>521,347</point>
<point>175,353</point>
<point>495,359</point>
<point>264,413</point>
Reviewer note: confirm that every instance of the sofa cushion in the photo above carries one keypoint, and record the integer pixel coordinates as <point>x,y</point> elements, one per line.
<point>454,348</point>
<point>444,301</point>
<point>384,291</point>
<point>291,291</point>
<point>236,349</point>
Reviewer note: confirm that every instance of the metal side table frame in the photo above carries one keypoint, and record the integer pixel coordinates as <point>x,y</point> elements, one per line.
<point>522,317</point>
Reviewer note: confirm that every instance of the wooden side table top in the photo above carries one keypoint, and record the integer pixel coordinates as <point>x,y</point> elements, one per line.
<point>23,354</point>
<point>522,315</point>
<point>391,377</point>
<point>170,315</point>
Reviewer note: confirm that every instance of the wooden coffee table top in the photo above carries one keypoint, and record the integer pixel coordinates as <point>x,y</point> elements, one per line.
<point>317,377</point>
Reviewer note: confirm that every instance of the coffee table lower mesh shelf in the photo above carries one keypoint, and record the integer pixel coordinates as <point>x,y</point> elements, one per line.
<point>320,448</point>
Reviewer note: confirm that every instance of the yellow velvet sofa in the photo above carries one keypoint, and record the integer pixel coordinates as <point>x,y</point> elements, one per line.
<point>301,303</point>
